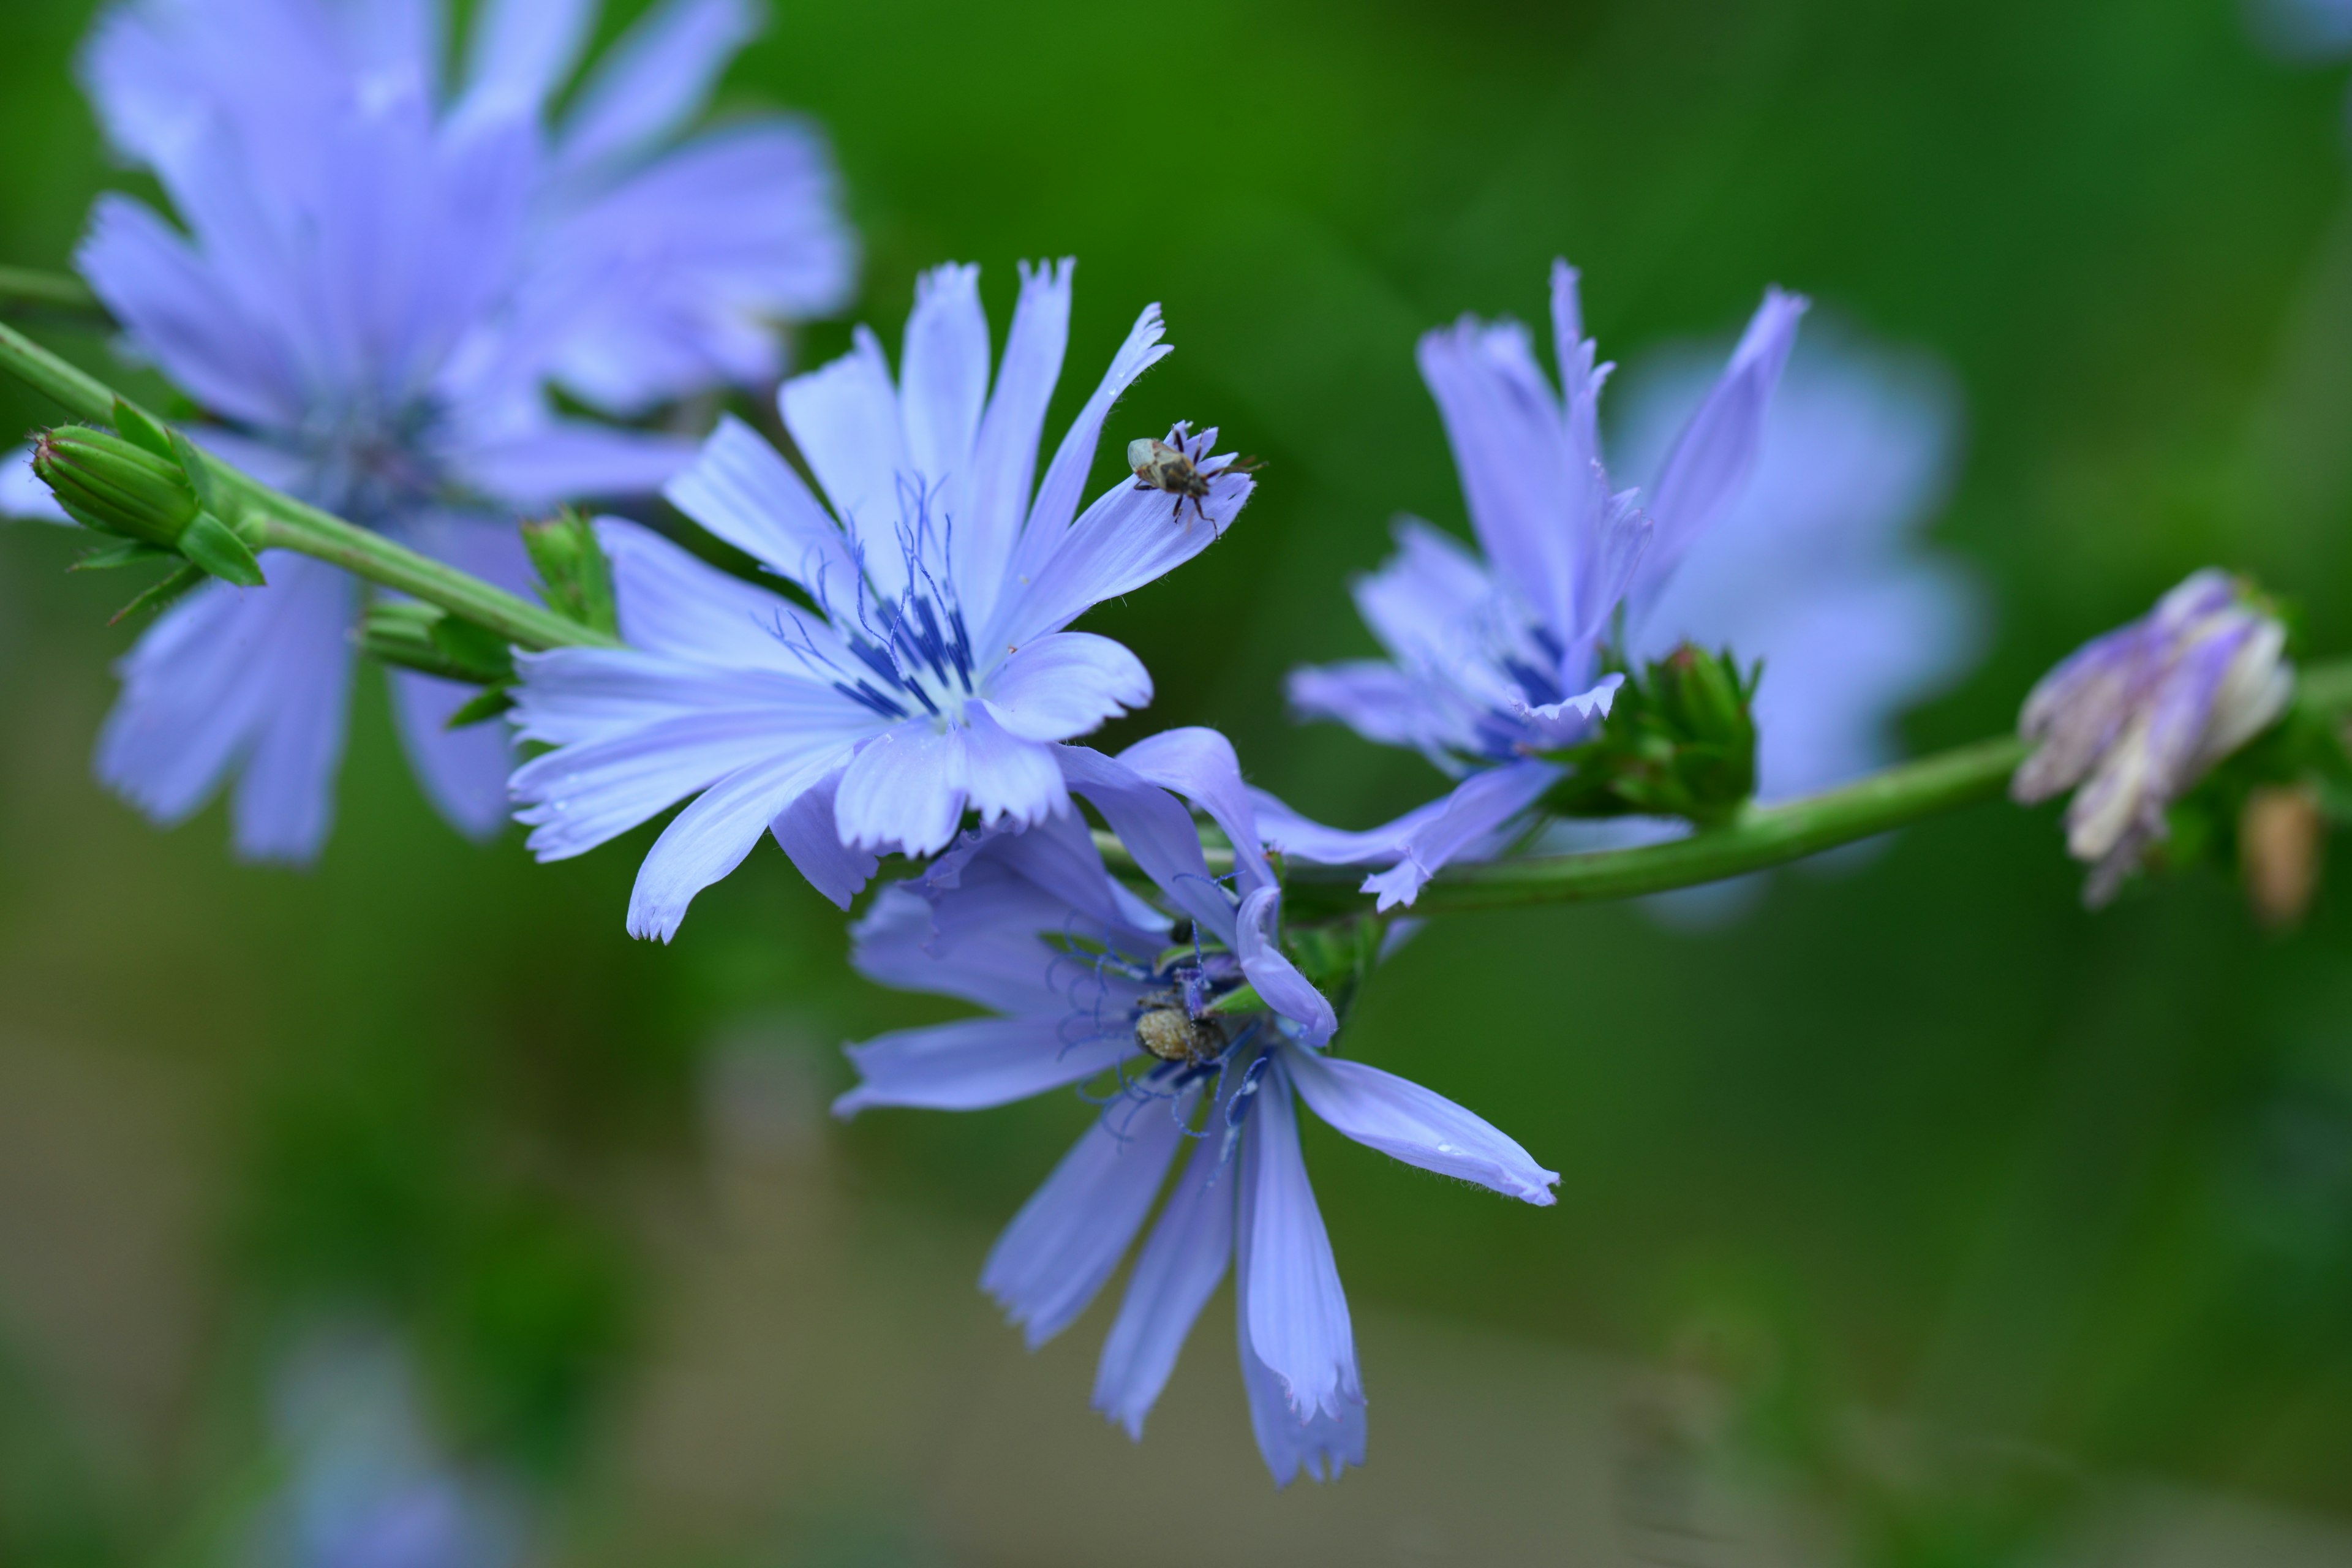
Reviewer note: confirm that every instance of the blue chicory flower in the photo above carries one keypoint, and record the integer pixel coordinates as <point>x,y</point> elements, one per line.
<point>1088,982</point>
<point>935,677</point>
<point>380,276</point>
<point>1494,659</point>
<point>2130,721</point>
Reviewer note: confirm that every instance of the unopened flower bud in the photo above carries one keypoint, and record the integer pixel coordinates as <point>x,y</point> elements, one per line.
<point>2281,834</point>
<point>106,483</point>
<point>2137,716</point>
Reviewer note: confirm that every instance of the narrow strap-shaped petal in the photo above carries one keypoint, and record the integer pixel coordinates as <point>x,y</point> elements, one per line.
<point>943,383</point>
<point>674,605</point>
<point>1478,811</point>
<point>1128,538</point>
<point>1408,1122</point>
<point>1275,978</point>
<point>463,771</point>
<point>521,50</point>
<point>1004,457</point>
<point>1174,1276</point>
<point>1007,777</point>
<point>1070,1235</point>
<point>1379,702</point>
<point>996,960</point>
<point>1156,829</point>
<point>570,459</point>
<point>1065,684</point>
<point>284,803</point>
<point>1294,1313</point>
<point>582,796</point>
<point>742,490</point>
<point>975,1063</point>
<point>572,695</point>
<point>844,419</point>
<point>1065,477</point>
<point>711,838</point>
<point>805,832</point>
<point>656,78</point>
<point>905,791</point>
<point>1198,763</point>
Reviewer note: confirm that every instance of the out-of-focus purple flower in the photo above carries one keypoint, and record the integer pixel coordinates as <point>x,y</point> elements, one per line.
<point>379,276</point>
<point>365,1487</point>
<point>2137,716</point>
<point>1088,983</point>
<point>936,676</point>
<point>2302,30</point>
<point>1493,661</point>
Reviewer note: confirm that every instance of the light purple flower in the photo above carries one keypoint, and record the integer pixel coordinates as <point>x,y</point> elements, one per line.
<point>935,677</point>
<point>1078,972</point>
<point>379,275</point>
<point>2137,717</point>
<point>1493,661</point>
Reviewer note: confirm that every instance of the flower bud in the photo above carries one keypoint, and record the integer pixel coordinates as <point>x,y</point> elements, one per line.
<point>1679,740</point>
<point>118,486</point>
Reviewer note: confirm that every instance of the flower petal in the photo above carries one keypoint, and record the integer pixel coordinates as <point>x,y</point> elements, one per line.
<point>1176,1274</point>
<point>1480,807</point>
<point>22,493</point>
<point>1065,477</point>
<point>1126,539</point>
<point>1156,829</point>
<point>997,960</point>
<point>1070,1235</point>
<point>711,838</point>
<point>674,605</point>
<point>943,381</point>
<point>805,832</point>
<point>655,79</point>
<point>572,695</point>
<point>1008,778</point>
<point>844,419</point>
<point>569,460</point>
<point>976,1063</point>
<point>905,791</point>
<point>1198,763</point>
<point>581,795</point>
<point>1408,1122</point>
<point>1294,1316</point>
<point>1275,978</point>
<point>463,771</point>
<point>1065,684</point>
<point>521,50</point>
<point>741,489</point>
<point>1004,456</point>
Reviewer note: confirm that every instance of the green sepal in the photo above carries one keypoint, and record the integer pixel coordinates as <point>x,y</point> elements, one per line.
<point>199,475</point>
<point>1244,1000</point>
<point>212,544</point>
<point>574,578</point>
<point>162,592</point>
<point>474,648</point>
<point>140,431</point>
<point>427,639</point>
<point>487,705</point>
<point>130,554</point>
<point>1679,740</point>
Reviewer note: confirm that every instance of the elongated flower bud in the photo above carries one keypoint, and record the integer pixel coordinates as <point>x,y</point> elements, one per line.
<point>118,486</point>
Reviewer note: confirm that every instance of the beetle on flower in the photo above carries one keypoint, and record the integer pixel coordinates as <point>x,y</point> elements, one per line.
<point>936,676</point>
<point>1091,984</point>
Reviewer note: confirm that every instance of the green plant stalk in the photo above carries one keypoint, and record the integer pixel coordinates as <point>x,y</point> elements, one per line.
<point>286,523</point>
<point>22,288</point>
<point>1758,838</point>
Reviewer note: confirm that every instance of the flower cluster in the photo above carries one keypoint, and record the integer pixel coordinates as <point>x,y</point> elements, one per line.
<point>378,276</point>
<point>380,280</point>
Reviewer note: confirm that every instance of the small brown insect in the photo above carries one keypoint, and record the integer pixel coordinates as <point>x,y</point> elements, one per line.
<point>1171,469</point>
<point>1174,1036</point>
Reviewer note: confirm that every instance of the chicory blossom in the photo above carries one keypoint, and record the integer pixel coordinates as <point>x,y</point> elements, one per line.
<point>379,276</point>
<point>2132,719</point>
<point>1089,984</point>
<point>1494,662</point>
<point>935,676</point>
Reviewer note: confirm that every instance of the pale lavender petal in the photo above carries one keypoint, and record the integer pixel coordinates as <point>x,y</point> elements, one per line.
<point>943,381</point>
<point>1716,452</point>
<point>1126,539</point>
<point>1296,1317</point>
<point>844,417</point>
<point>1008,778</point>
<point>1378,702</point>
<point>741,489</point>
<point>582,796</point>
<point>578,694</point>
<point>1004,456</point>
<point>1070,1235</point>
<point>1275,978</point>
<point>656,78</point>
<point>1174,1276</point>
<point>1408,1122</point>
<point>563,460</point>
<point>1428,599</point>
<point>1301,838</point>
<point>464,771</point>
<point>1322,1446</point>
<point>1065,684</point>
<point>1156,829</point>
<point>1474,813</point>
<point>905,791</point>
<point>674,605</point>
<point>1065,477</point>
<point>711,838</point>
<point>805,832</point>
<point>251,678</point>
<point>999,963</point>
<point>522,49</point>
<point>1198,763</point>
<point>977,1063</point>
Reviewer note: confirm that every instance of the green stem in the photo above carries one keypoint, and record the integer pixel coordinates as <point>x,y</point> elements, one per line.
<point>286,523</point>
<point>1763,836</point>
<point>21,288</point>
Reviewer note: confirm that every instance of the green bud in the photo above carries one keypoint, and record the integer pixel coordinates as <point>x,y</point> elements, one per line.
<point>429,639</point>
<point>121,485</point>
<point>574,578</point>
<point>1679,740</point>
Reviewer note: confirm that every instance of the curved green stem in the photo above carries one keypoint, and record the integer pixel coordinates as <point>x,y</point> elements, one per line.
<point>22,288</point>
<point>286,523</point>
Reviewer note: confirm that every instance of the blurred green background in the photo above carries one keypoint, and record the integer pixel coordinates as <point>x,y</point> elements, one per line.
<point>1949,1222</point>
